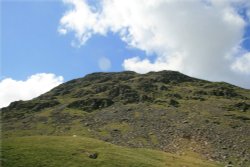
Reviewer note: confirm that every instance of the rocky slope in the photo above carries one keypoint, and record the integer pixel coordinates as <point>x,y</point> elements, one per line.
<point>165,110</point>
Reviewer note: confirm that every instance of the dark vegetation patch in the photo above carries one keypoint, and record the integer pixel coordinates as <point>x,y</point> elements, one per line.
<point>242,106</point>
<point>170,77</point>
<point>91,104</point>
<point>225,92</point>
<point>36,105</point>
<point>82,93</point>
<point>239,106</point>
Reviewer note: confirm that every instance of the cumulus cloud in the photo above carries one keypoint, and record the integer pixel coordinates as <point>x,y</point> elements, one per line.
<point>104,63</point>
<point>35,85</point>
<point>199,38</point>
<point>242,64</point>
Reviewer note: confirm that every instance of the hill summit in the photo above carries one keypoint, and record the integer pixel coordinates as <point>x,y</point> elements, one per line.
<point>165,111</point>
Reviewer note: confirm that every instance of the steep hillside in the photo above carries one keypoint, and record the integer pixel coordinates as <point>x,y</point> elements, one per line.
<point>165,111</point>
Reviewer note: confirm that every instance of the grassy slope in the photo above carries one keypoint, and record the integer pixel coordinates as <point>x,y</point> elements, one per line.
<point>70,151</point>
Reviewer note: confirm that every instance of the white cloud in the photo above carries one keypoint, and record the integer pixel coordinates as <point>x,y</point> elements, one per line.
<point>80,20</point>
<point>195,37</point>
<point>104,63</point>
<point>35,85</point>
<point>242,64</point>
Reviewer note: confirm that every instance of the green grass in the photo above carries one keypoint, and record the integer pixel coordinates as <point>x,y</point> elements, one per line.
<point>69,151</point>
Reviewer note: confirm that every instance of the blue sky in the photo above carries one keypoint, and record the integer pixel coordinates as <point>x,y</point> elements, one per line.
<point>47,42</point>
<point>31,43</point>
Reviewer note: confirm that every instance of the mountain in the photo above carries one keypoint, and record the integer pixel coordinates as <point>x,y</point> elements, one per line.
<point>127,119</point>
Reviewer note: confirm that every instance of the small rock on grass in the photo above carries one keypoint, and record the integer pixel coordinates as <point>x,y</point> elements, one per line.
<point>93,155</point>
